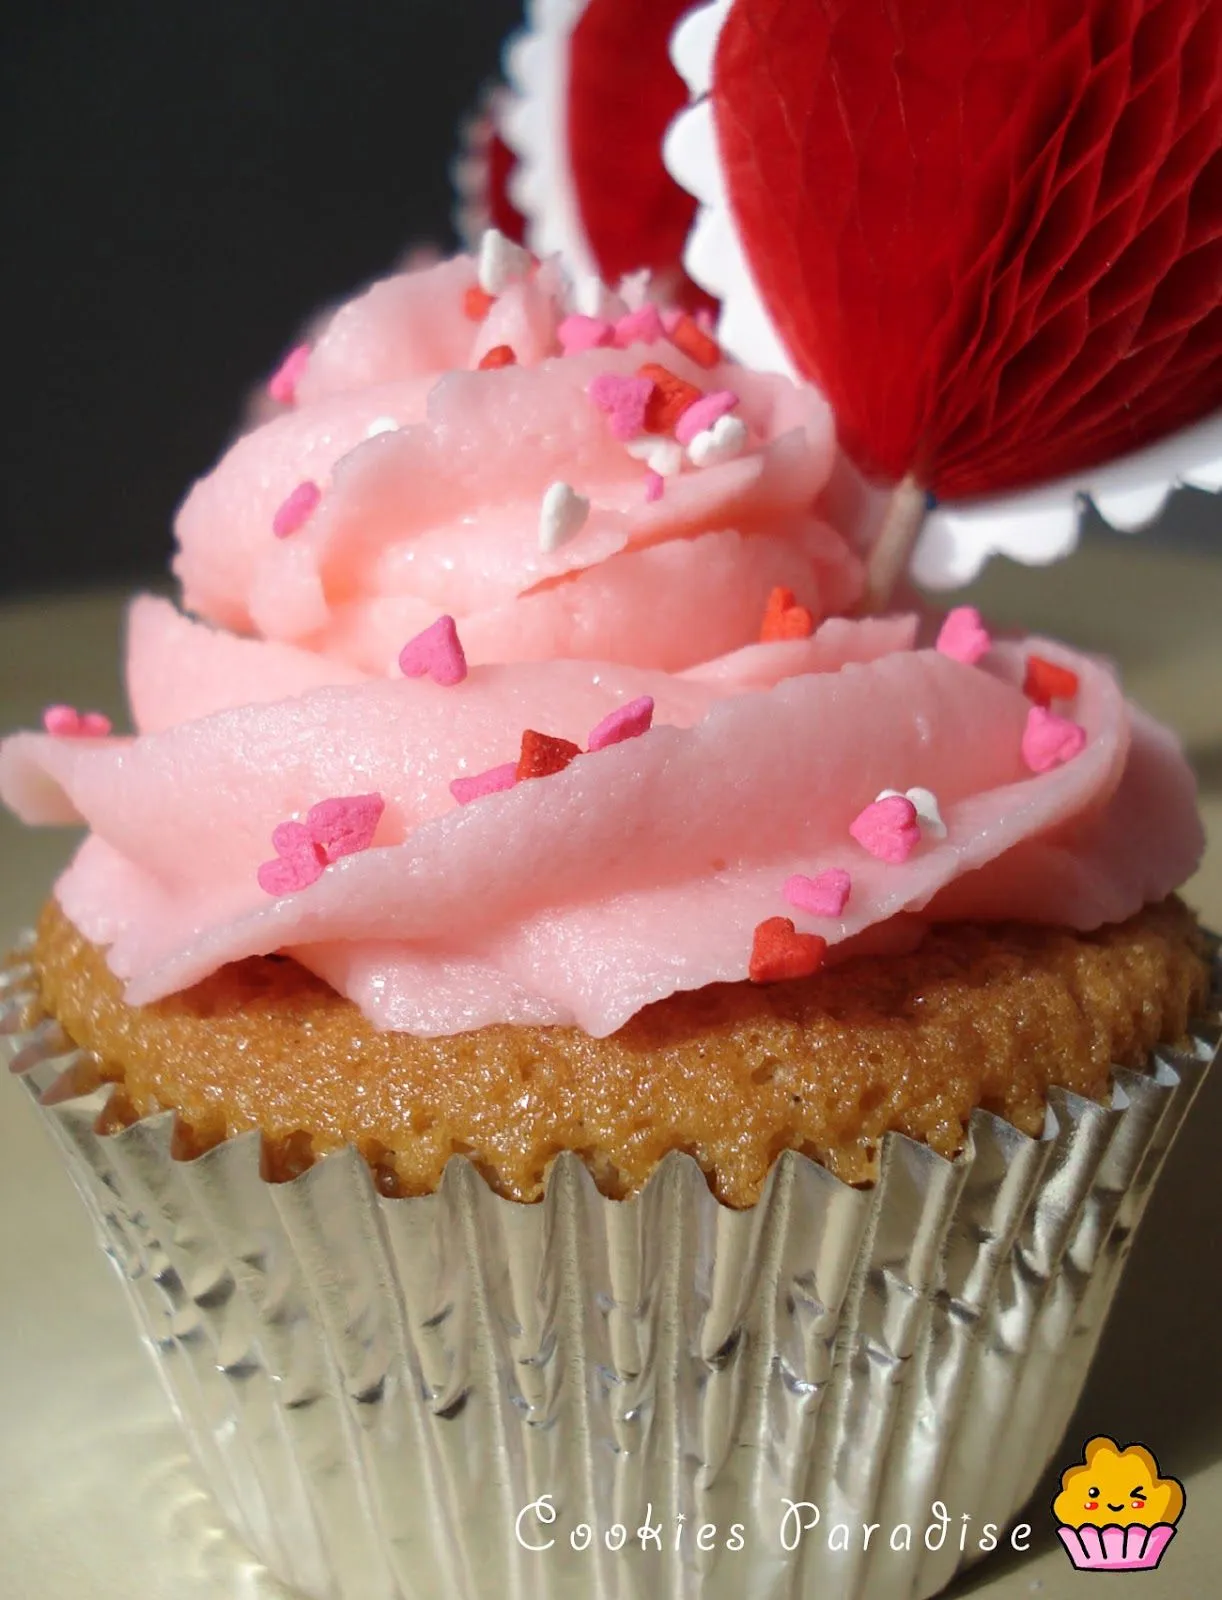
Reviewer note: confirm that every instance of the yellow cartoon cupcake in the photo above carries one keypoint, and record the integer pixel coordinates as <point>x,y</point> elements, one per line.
<point>1116,1513</point>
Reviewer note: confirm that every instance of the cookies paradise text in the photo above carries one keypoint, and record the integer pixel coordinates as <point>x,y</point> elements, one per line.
<point>537,1528</point>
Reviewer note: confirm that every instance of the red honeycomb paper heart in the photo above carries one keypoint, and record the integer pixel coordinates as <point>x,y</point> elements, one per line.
<point>623,94</point>
<point>992,232</point>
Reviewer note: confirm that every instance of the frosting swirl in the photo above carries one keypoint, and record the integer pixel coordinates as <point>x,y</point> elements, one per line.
<point>639,869</point>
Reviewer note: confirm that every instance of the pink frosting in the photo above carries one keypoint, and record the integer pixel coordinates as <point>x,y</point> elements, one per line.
<point>441,513</point>
<point>638,870</point>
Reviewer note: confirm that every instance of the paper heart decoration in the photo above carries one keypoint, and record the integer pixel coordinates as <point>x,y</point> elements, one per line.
<point>481,173</point>
<point>590,93</point>
<point>991,233</point>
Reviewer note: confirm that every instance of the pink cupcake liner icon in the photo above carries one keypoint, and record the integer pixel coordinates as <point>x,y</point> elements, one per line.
<point>1112,1549</point>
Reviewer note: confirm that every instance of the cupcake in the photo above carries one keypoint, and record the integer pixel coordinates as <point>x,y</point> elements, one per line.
<point>602,1066</point>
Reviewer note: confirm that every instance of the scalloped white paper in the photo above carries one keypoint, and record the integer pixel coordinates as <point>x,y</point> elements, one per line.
<point>533,122</point>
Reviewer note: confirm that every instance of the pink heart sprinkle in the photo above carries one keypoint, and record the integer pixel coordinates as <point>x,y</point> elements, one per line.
<point>577,333</point>
<point>703,413</point>
<point>824,896</point>
<point>671,318</point>
<point>493,781</point>
<point>344,824</point>
<point>625,722</point>
<point>655,485</point>
<point>68,723</point>
<point>624,400</point>
<point>1050,740</point>
<point>299,861</point>
<point>282,385</point>
<point>436,653</point>
<point>643,326</point>
<point>888,829</point>
<point>297,509</point>
<point>963,636</point>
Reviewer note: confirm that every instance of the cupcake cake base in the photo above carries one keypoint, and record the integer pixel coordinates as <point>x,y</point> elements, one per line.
<point>657,1396</point>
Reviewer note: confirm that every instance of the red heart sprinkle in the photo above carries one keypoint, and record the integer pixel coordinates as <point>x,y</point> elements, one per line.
<point>696,345</point>
<point>501,355</point>
<point>477,303</point>
<point>670,398</point>
<point>543,754</point>
<point>779,951</point>
<point>784,618</point>
<point>1046,682</point>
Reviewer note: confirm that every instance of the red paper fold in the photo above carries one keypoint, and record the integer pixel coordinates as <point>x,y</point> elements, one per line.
<point>990,229</point>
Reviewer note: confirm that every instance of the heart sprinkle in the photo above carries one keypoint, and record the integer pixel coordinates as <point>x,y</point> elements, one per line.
<point>340,826</point>
<point>296,510</point>
<point>926,804</point>
<point>686,334</point>
<point>65,722</point>
<point>662,456</point>
<point>625,401</point>
<point>669,399</point>
<point>704,413</point>
<point>643,326</point>
<point>381,425</point>
<point>500,355</point>
<point>1049,740</point>
<point>501,262</point>
<point>282,385</point>
<point>824,896</point>
<point>298,862</point>
<point>344,824</point>
<point>1045,681</point>
<point>625,722</point>
<point>726,439</point>
<point>476,303</point>
<point>543,754</point>
<point>779,951</point>
<point>578,334</point>
<point>655,486</point>
<point>493,781</point>
<point>888,829</point>
<point>784,618</point>
<point>963,636</point>
<point>436,653</point>
<point>562,516</point>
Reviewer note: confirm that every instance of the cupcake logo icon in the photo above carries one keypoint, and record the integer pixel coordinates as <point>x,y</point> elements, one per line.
<point>1115,1511</point>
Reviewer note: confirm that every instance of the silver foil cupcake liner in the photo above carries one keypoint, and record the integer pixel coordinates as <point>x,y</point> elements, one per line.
<point>658,1398</point>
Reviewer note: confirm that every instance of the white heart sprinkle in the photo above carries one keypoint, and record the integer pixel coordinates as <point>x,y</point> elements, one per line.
<point>381,425</point>
<point>663,456</point>
<point>562,515</point>
<point>925,803</point>
<point>726,439</point>
<point>592,298</point>
<point>501,262</point>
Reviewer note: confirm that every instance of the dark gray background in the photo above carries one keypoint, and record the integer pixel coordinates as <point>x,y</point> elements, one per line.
<point>184,183</point>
